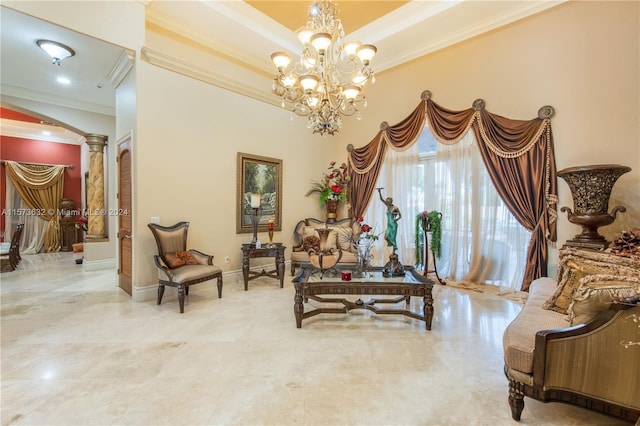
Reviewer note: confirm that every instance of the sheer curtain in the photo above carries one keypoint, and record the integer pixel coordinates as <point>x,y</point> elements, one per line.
<point>32,239</point>
<point>399,176</point>
<point>481,240</point>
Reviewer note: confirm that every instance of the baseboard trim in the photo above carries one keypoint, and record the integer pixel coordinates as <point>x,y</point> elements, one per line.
<point>96,265</point>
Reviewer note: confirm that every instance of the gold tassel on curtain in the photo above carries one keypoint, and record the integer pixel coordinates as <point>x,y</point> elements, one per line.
<point>41,188</point>
<point>518,154</point>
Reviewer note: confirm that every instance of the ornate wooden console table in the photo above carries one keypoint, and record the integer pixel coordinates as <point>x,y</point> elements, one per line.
<point>267,250</point>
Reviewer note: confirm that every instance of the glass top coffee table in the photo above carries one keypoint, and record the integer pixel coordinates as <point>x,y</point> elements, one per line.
<point>310,285</point>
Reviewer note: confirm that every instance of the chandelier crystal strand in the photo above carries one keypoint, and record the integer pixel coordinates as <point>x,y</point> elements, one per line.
<point>328,80</point>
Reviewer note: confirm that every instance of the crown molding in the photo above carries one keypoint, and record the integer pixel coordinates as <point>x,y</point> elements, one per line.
<point>123,65</point>
<point>191,70</point>
<point>32,95</point>
<point>169,23</point>
<point>414,13</point>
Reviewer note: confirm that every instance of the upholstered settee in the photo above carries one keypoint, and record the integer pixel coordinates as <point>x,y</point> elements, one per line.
<point>577,341</point>
<point>342,236</point>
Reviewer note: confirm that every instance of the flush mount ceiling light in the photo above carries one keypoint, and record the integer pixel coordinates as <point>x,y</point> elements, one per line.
<point>329,79</point>
<point>57,51</point>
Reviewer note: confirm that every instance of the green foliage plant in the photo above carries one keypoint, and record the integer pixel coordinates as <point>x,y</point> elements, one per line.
<point>432,222</point>
<point>333,185</point>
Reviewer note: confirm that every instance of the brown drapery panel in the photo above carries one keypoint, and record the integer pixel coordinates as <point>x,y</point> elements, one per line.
<point>365,162</point>
<point>518,154</point>
<point>41,189</point>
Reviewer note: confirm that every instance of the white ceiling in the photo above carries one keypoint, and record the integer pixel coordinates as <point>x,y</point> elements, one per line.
<point>234,29</point>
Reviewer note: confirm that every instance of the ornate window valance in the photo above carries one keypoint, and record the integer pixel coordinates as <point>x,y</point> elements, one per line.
<point>518,154</point>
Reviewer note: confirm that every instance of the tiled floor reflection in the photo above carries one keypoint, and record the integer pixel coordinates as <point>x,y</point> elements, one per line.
<point>77,351</point>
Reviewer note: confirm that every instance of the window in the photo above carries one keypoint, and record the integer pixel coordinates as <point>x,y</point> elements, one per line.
<point>482,241</point>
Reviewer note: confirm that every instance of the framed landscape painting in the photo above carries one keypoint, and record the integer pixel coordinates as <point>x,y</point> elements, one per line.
<point>260,177</point>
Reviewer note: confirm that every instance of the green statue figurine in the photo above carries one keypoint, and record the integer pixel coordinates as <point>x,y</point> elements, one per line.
<point>394,267</point>
<point>393,216</point>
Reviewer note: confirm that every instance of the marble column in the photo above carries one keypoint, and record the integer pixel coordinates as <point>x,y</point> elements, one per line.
<point>95,192</point>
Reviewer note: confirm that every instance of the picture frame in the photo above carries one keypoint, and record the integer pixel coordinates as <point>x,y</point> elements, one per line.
<point>258,175</point>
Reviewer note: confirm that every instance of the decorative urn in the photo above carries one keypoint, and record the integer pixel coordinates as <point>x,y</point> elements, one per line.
<point>590,189</point>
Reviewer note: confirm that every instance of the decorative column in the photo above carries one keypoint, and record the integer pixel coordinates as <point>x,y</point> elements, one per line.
<point>95,191</point>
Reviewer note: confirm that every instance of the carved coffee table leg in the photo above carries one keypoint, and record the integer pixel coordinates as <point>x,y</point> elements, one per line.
<point>428,308</point>
<point>298,307</point>
<point>280,268</point>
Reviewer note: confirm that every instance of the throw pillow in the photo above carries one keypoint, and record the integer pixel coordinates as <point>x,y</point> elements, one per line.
<point>310,231</point>
<point>577,264</point>
<point>596,292</point>
<point>344,236</point>
<point>179,258</point>
<point>311,243</point>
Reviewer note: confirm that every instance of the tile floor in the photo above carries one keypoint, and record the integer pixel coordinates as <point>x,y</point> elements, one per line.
<point>77,351</point>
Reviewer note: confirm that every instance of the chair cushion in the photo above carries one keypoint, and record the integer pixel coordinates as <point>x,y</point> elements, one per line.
<point>4,248</point>
<point>596,293</point>
<point>179,258</point>
<point>189,273</point>
<point>520,336</point>
<point>303,257</point>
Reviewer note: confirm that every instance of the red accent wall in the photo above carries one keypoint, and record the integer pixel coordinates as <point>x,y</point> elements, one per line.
<point>37,151</point>
<point>18,116</point>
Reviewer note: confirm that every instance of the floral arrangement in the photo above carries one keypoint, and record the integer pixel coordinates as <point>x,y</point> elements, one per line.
<point>367,236</point>
<point>432,222</point>
<point>82,223</point>
<point>333,184</point>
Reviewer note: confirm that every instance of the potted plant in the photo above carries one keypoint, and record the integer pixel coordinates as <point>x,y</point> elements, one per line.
<point>429,222</point>
<point>331,189</point>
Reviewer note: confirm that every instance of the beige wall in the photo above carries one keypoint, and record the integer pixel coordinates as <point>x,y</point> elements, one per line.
<point>189,134</point>
<point>581,58</point>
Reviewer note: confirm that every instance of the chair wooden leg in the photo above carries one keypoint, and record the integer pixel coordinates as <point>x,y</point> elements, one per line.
<point>160,293</point>
<point>219,287</point>
<point>186,290</point>
<point>181,298</point>
<point>516,400</point>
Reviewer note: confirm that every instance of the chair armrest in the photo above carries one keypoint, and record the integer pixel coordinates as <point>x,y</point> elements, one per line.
<point>202,258</point>
<point>163,267</point>
<point>297,236</point>
<point>591,359</point>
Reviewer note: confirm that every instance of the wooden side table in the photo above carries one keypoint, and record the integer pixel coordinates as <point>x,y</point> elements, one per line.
<point>68,232</point>
<point>267,250</point>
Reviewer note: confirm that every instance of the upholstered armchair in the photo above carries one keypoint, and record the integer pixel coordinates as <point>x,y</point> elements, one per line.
<point>10,252</point>
<point>178,267</point>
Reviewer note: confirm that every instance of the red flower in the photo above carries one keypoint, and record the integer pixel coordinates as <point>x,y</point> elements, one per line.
<point>336,188</point>
<point>360,219</point>
<point>365,228</point>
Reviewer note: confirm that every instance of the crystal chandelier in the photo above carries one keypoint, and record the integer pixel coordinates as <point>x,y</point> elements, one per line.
<point>328,80</point>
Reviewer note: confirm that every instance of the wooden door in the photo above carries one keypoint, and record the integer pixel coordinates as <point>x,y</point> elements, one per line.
<point>125,214</point>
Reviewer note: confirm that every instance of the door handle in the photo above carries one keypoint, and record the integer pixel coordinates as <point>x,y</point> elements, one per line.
<point>127,236</point>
